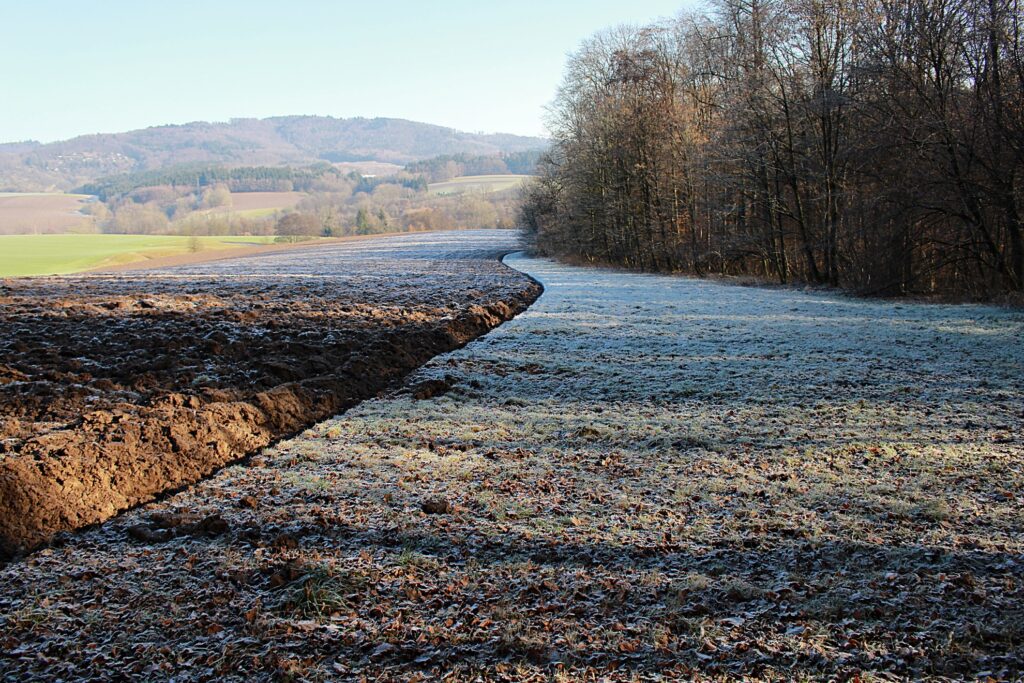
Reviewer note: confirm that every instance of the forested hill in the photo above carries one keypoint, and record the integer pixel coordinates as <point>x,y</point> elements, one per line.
<point>244,142</point>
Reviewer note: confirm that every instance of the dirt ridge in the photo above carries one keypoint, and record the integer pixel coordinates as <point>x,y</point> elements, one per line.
<point>126,454</point>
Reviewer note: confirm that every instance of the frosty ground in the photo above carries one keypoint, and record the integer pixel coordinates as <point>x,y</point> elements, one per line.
<point>116,387</point>
<point>641,477</point>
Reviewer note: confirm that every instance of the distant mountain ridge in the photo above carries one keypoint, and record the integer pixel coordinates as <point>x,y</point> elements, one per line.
<point>31,166</point>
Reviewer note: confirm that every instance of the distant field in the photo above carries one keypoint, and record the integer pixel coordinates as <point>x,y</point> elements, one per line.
<point>379,168</point>
<point>59,254</point>
<point>478,183</point>
<point>29,213</point>
<point>259,204</point>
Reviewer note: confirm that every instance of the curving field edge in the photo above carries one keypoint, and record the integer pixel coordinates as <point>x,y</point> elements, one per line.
<point>117,458</point>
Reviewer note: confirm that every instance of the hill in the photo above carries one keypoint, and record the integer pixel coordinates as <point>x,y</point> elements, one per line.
<point>31,166</point>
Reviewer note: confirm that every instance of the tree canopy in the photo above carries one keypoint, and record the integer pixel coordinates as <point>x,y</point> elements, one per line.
<point>872,144</point>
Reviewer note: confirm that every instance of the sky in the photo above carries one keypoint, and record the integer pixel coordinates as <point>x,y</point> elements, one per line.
<point>74,68</point>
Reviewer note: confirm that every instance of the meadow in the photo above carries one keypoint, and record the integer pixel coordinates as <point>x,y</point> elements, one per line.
<point>22,255</point>
<point>478,184</point>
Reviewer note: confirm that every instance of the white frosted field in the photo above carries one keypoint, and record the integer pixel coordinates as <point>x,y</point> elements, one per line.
<point>639,478</point>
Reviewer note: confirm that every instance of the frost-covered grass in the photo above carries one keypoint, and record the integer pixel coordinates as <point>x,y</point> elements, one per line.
<point>844,468</point>
<point>647,477</point>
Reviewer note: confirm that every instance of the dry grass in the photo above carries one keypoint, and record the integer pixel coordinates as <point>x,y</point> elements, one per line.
<point>41,213</point>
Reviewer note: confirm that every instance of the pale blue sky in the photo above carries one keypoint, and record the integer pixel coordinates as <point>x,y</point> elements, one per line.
<point>73,68</point>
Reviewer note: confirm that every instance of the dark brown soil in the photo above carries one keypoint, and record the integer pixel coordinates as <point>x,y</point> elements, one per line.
<point>115,388</point>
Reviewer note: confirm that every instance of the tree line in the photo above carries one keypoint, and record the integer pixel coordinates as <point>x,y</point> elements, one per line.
<point>337,205</point>
<point>197,177</point>
<point>392,205</point>
<point>876,145</point>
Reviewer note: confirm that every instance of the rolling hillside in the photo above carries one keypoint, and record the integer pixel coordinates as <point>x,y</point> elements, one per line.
<point>29,166</point>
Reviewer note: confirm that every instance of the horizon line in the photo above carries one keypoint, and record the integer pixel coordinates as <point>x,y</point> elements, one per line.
<point>233,119</point>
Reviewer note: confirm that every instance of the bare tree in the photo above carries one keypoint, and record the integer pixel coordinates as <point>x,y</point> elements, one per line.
<point>872,144</point>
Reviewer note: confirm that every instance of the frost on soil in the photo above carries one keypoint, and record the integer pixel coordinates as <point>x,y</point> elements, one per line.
<point>115,388</point>
<point>641,477</point>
